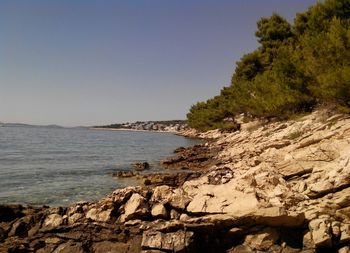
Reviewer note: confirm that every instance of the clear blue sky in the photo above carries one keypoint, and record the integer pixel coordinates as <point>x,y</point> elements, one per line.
<point>88,62</point>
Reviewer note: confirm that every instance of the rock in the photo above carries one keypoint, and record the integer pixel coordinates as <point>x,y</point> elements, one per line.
<point>125,174</point>
<point>277,216</point>
<point>53,221</point>
<point>241,249</point>
<point>321,234</point>
<point>74,218</point>
<point>136,207</point>
<point>262,240</point>
<point>162,194</point>
<point>34,228</point>
<point>335,229</point>
<point>120,196</point>
<point>140,165</point>
<point>77,208</point>
<point>46,249</point>
<point>288,249</point>
<point>184,217</point>
<point>69,247</point>
<point>220,176</point>
<point>97,214</point>
<point>3,234</point>
<point>152,251</point>
<point>159,211</point>
<point>10,212</point>
<point>170,179</point>
<point>179,149</point>
<point>21,248</point>
<point>110,247</point>
<point>345,249</point>
<point>308,243</point>
<point>174,215</point>
<point>53,240</point>
<point>222,199</point>
<point>345,233</point>
<point>19,228</point>
<point>179,241</point>
<point>177,198</point>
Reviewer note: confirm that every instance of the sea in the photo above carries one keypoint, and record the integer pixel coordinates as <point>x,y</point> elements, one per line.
<point>58,166</point>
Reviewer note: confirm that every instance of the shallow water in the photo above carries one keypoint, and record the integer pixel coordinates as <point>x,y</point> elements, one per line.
<point>58,166</point>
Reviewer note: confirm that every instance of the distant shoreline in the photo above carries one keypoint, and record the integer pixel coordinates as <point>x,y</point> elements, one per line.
<point>131,130</point>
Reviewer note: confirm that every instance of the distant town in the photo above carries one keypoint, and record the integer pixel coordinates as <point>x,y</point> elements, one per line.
<point>164,126</point>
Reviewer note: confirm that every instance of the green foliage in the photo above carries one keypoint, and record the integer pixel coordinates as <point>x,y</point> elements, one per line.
<point>295,68</point>
<point>248,67</point>
<point>272,31</point>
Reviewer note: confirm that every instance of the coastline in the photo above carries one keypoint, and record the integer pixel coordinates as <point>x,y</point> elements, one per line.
<point>129,130</point>
<point>275,187</point>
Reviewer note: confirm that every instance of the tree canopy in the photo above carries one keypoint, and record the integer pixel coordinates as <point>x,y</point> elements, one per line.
<point>295,68</point>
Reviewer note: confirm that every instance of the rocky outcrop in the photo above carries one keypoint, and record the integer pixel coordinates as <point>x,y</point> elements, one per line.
<point>277,187</point>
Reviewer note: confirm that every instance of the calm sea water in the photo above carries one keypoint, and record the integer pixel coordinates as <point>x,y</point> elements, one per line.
<point>58,166</point>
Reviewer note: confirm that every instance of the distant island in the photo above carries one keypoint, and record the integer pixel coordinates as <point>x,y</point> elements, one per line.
<point>164,126</point>
<point>28,125</point>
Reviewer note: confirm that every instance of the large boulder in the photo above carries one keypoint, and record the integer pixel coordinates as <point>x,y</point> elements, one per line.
<point>222,199</point>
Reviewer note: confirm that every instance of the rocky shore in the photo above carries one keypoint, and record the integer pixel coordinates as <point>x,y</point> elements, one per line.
<point>272,187</point>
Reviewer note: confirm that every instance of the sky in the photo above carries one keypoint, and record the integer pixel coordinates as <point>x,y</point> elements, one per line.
<point>93,62</point>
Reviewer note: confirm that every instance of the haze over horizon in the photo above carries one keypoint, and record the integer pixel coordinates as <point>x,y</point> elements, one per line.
<point>101,62</point>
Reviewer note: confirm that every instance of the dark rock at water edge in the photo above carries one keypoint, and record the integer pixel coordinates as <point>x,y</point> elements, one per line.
<point>125,174</point>
<point>140,166</point>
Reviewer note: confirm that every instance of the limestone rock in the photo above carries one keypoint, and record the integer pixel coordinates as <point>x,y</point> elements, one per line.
<point>277,216</point>
<point>177,198</point>
<point>345,249</point>
<point>74,218</point>
<point>159,211</point>
<point>136,207</point>
<point>53,240</point>
<point>53,221</point>
<point>222,199</point>
<point>345,233</point>
<point>120,196</point>
<point>174,215</point>
<point>321,235</point>
<point>99,215</point>
<point>179,241</point>
<point>262,240</point>
<point>308,243</point>
<point>241,249</point>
